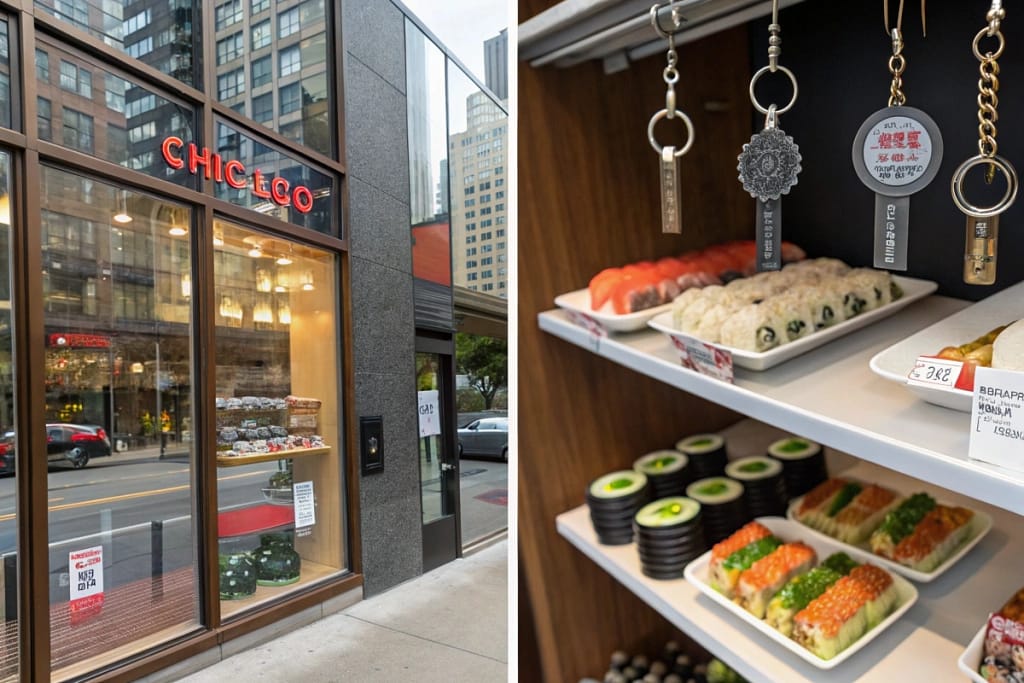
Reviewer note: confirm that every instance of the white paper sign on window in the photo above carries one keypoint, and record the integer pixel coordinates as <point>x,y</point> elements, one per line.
<point>305,509</point>
<point>430,413</point>
<point>86,570</point>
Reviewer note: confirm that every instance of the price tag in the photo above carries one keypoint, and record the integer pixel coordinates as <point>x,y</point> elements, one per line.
<point>933,372</point>
<point>85,573</point>
<point>997,418</point>
<point>704,358</point>
<point>595,329</point>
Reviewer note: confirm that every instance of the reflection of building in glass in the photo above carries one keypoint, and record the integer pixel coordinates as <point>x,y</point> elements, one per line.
<point>477,159</point>
<point>422,202</point>
<point>496,64</point>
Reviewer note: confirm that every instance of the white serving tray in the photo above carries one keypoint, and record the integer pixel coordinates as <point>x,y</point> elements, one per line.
<point>970,660</point>
<point>896,362</point>
<point>697,574</point>
<point>980,525</point>
<point>579,302</point>
<point>913,289</point>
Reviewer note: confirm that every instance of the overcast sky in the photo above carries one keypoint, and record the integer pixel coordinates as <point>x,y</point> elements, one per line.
<point>463,26</point>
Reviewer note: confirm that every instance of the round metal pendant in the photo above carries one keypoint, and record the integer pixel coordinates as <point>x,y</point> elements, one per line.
<point>897,151</point>
<point>769,164</point>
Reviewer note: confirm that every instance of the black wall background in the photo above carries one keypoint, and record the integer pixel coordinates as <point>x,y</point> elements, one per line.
<point>839,53</point>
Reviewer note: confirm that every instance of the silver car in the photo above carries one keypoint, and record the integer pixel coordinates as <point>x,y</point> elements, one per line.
<point>486,436</point>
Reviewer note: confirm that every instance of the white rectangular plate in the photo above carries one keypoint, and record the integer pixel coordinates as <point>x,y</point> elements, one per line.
<point>970,660</point>
<point>697,574</point>
<point>980,524</point>
<point>913,289</point>
<point>579,302</point>
<point>896,362</point>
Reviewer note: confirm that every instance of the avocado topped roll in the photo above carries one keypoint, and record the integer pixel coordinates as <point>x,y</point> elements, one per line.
<point>799,592</point>
<point>736,553</point>
<point>770,573</point>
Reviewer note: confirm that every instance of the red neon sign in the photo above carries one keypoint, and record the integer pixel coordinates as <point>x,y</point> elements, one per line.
<point>232,172</point>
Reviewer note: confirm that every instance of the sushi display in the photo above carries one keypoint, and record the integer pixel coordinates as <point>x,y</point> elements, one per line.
<point>613,500</point>
<point>767,310</point>
<point>646,284</point>
<point>846,510</point>
<point>767,575</point>
<point>706,454</point>
<point>730,557</point>
<point>667,471</point>
<point>799,592</point>
<point>764,491</point>
<point>1003,649</point>
<point>723,505</point>
<point>803,464</point>
<point>668,536</point>
<point>923,544</point>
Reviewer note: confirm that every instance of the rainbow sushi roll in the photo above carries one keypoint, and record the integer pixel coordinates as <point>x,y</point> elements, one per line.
<point>766,576</point>
<point>730,557</point>
<point>855,522</point>
<point>816,504</point>
<point>799,592</point>
<point>900,523</point>
<point>847,610</point>
<point>934,538</point>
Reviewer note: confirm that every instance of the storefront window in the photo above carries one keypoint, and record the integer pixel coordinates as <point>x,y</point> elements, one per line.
<point>5,75</point>
<point>288,57</point>
<point>478,168</point>
<point>279,438</point>
<point>117,271</point>
<point>277,184</point>
<point>87,108</point>
<point>161,34</point>
<point>8,484</point>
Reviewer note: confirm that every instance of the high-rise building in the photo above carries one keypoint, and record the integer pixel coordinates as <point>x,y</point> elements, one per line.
<point>421,187</point>
<point>496,64</point>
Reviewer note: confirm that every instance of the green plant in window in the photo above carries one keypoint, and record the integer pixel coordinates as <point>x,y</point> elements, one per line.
<point>146,424</point>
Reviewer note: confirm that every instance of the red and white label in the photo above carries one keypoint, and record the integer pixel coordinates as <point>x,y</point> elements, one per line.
<point>595,330</point>
<point>707,359</point>
<point>85,573</point>
<point>935,372</point>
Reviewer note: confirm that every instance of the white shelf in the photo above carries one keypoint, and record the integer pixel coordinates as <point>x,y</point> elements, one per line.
<point>830,395</point>
<point>619,31</point>
<point>924,645</point>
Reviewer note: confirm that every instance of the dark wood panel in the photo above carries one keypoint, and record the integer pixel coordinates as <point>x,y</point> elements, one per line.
<point>589,199</point>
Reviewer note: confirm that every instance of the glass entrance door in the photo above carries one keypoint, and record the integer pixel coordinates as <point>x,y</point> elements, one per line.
<point>439,473</point>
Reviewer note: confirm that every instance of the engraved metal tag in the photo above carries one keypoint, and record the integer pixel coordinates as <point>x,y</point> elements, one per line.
<point>980,250</point>
<point>769,164</point>
<point>670,219</point>
<point>769,239</point>
<point>892,219</point>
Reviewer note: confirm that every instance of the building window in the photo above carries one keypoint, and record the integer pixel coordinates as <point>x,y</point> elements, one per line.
<point>140,106</point>
<point>44,118</point>
<point>75,12</point>
<point>486,223</point>
<point>487,273</point>
<point>78,130</point>
<point>471,264</point>
<point>471,251</point>
<point>260,6</point>
<point>500,194</point>
<point>230,48</point>
<point>261,35</point>
<point>499,182</point>
<point>74,79</point>
<point>470,202</point>
<point>288,23</point>
<point>501,232</point>
<point>230,84</point>
<point>140,47</point>
<point>263,108</point>
<point>485,197</point>
<point>137,22</point>
<point>42,66</point>
<point>471,214</point>
<point>470,190</point>
<point>470,227</point>
<point>291,98</point>
<point>113,89</point>
<point>470,276</point>
<point>499,207</point>
<point>290,61</point>
<point>485,235</point>
<point>488,287</point>
<point>228,13</point>
<point>117,142</point>
<point>487,248</point>
<point>261,72</point>
<point>486,261</point>
<point>143,132</point>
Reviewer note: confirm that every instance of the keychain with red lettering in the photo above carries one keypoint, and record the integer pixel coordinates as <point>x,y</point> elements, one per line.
<point>896,152</point>
<point>770,162</point>
<point>669,168</point>
<point>983,223</point>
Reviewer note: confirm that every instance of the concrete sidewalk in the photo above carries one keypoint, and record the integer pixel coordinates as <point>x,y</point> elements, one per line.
<point>447,626</point>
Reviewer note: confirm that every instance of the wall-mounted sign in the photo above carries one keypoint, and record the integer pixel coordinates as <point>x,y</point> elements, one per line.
<point>79,341</point>
<point>233,172</point>
<point>430,413</point>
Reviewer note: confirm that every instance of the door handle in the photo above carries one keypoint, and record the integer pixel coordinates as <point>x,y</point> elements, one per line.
<point>447,467</point>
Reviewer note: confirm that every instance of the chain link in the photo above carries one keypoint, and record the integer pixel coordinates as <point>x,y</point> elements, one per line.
<point>897,64</point>
<point>988,100</point>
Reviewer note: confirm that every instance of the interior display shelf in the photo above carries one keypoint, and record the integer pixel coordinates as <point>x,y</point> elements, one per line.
<point>618,32</point>
<point>238,460</point>
<point>923,645</point>
<point>830,395</point>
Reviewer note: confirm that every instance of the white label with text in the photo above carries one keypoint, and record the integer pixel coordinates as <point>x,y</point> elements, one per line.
<point>997,418</point>
<point>933,372</point>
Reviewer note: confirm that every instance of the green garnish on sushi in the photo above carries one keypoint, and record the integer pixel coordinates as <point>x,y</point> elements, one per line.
<point>757,466</point>
<point>793,446</point>
<point>713,489</point>
<point>799,592</point>
<point>899,523</point>
<point>743,558</point>
<point>843,498</point>
<point>839,562</point>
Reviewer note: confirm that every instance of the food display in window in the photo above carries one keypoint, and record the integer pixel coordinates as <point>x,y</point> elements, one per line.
<point>277,563</point>
<point>237,576</point>
<point>254,425</point>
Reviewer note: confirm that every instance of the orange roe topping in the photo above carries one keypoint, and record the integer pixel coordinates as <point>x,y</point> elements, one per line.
<point>932,530</point>
<point>754,531</point>
<point>820,493</point>
<point>771,568</point>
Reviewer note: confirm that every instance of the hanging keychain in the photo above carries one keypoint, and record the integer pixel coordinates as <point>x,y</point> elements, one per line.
<point>770,162</point>
<point>669,168</point>
<point>896,152</point>
<point>983,223</point>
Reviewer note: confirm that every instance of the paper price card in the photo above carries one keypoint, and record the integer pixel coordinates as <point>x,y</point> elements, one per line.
<point>305,509</point>
<point>932,372</point>
<point>85,578</point>
<point>594,329</point>
<point>997,418</point>
<point>706,359</point>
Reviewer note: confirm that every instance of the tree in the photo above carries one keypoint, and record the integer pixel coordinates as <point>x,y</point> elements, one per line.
<point>485,361</point>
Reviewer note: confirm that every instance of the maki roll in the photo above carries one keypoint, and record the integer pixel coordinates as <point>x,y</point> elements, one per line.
<point>723,505</point>
<point>799,592</point>
<point>710,326</point>
<point>613,499</point>
<point>706,454</point>
<point>754,328</point>
<point>764,490</point>
<point>795,314</point>
<point>668,536</point>
<point>934,538</point>
<point>900,523</point>
<point>824,266</point>
<point>848,609</point>
<point>855,522</point>
<point>803,464</point>
<point>825,302</point>
<point>724,568</point>
<point>767,575</point>
<point>667,471</point>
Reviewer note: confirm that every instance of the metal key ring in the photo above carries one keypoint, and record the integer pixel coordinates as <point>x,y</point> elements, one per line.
<point>760,72</point>
<point>689,131</point>
<point>977,39</point>
<point>1003,204</point>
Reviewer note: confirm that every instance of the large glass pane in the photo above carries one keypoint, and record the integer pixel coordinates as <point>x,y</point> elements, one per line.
<point>164,35</point>
<point>428,165</point>
<point>280,488</point>
<point>478,167</point>
<point>117,313</point>
<point>85,107</point>
<point>278,185</point>
<point>8,484</point>
<point>5,75</point>
<point>288,58</point>
<point>436,498</point>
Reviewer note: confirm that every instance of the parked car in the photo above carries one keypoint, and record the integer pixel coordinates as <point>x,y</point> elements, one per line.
<point>75,444</point>
<point>487,436</point>
<point>7,453</point>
